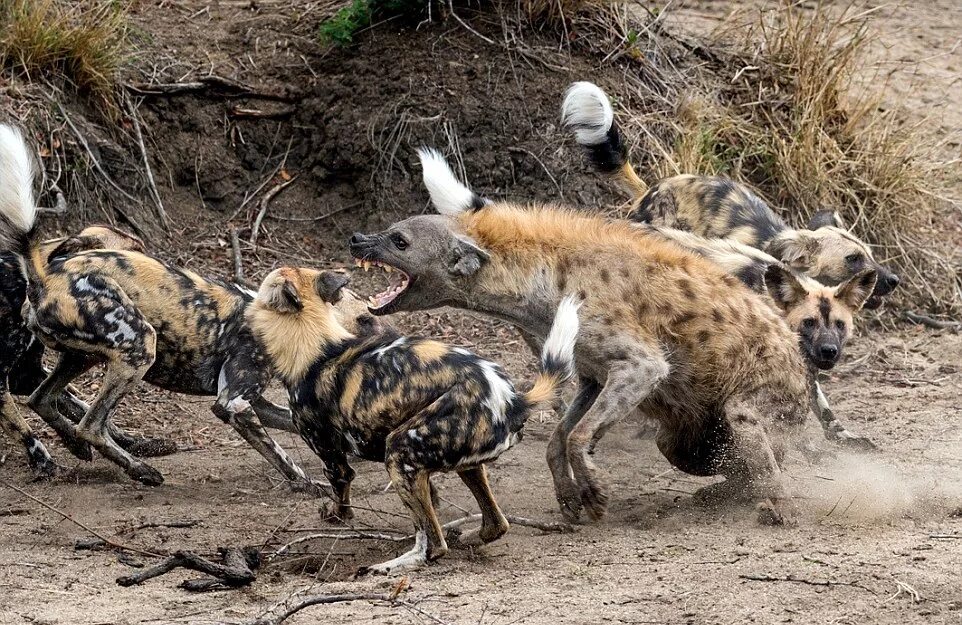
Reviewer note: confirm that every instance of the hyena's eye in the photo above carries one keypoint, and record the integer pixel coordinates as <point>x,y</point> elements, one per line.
<point>808,323</point>
<point>854,259</point>
<point>399,242</point>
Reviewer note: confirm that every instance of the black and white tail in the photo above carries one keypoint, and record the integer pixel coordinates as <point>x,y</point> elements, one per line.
<point>587,112</point>
<point>448,195</point>
<point>558,353</point>
<point>18,211</point>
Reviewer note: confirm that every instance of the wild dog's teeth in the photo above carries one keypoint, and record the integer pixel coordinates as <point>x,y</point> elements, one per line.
<point>357,262</point>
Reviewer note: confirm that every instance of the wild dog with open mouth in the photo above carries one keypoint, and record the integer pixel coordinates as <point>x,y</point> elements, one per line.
<point>21,366</point>
<point>662,329</point>
<point>143,319</point>
<point>415,404</point>
<point>718,207</point>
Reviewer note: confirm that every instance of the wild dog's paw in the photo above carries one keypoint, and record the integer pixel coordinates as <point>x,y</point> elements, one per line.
<point>335,514</point>
<point>858,443</point>
<point>777,512</point>
<point>45,470</point>
<point>146,474</point>
<point>144,447</point>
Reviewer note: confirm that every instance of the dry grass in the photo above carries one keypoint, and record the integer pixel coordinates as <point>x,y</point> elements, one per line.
<point>84,43</point>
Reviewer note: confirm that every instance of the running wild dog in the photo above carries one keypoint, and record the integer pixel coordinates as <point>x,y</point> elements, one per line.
<point>662,329</point>
<point>718,207</point>
<point>143,319</point>
<point>415,404</point>
<point>21,368</point>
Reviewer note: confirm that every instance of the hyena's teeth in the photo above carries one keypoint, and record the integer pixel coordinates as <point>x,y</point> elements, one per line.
<point>367,265</point>
<point>387,268</point>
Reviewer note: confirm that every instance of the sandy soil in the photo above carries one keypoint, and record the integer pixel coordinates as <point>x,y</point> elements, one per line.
<point>880,539</point>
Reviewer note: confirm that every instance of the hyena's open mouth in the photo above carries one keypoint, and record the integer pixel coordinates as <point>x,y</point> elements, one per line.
<point>399,282</point>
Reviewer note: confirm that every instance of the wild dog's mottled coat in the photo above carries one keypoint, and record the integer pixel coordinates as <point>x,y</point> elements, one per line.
<point>662,329</point>
<point>416,404</point>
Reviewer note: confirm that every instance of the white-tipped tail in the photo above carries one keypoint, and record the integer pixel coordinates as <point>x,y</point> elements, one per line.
<point>559,347</point>
<point>449,196</point>
<point>587,111</point>
<point>17,208</point>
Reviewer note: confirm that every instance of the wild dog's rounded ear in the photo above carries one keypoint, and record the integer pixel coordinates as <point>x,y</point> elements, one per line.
<point>854,291</point>
<point>794,248</point>
<point>783,286</point>
<point>466,257</point>
<point>281,295</point>
<point>329,285</point>
<point>826,217</point>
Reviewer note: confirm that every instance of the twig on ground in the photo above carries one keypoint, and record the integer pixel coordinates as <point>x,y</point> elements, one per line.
<point>238,112</point>
<point>318,600</point>
<point>238,568</point>
<point>544,526</point>
<point>801,580</point>
<point>152,185</point>
<point>107,541</point>
<point>932,322</point>
<point>322,217</point>
<point>238,261</point>
<point>265,201</point>
<point>213,84</point>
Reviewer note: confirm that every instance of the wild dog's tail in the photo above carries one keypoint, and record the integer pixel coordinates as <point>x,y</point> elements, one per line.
<point>448,195</point>
<point>587,111</point>
<point>18,211</point>
<point>557,355</point>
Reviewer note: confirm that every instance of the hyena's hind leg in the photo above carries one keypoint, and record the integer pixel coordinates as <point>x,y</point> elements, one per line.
<point>239,384</point>
<point>494,525</point>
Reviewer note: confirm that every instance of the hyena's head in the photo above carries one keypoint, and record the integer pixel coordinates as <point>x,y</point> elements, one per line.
<point>830,254</point>
<point>822,316</point>
<point>430,257</point>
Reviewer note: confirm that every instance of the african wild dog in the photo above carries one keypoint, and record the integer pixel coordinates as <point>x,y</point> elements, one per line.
<point>142,318</point>
<point>662,329</point>
<point>21,366</point>
<point>415,404</point>
<point>718,207</point>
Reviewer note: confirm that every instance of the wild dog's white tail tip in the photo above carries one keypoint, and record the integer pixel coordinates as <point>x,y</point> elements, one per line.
<point>588,112</point>
<point>559,347</point>
<point>17,207</point>
<point>448,196</point>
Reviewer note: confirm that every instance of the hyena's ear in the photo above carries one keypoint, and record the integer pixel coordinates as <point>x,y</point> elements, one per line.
<point>466,257</point>
<point>826,217</point>
<point>329,285</point>
<point>783,286</point>
<point>282,296</point>
<point>854,291</point>
<point>795,248</point>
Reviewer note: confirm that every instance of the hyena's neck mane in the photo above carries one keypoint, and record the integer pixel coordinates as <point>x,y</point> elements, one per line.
<point>295,341</point>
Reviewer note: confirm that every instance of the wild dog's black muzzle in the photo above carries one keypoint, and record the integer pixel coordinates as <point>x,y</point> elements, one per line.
<point>886,282</point>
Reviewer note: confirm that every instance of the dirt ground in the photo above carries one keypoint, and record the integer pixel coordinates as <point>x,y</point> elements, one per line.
<point>880,538</point>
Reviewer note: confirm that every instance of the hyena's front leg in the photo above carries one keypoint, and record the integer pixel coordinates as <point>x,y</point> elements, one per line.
<point>833,430</point>
<point>629,382</point>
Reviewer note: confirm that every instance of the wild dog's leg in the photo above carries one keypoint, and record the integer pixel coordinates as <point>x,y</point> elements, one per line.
<point>140,446</point>
<point>13,422</point>
<point>833,430</point>
<point>340,474</point>
<point>272,415</point>
<point>238,384</point>
<point>493,523</point>
<point>414,488</point>
<point>45,398</point>
<point>629,382</point>
<point>565,488</point>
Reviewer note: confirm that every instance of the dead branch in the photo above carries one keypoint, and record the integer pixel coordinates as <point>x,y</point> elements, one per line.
<point>238,112</point>
<point>265,201</point>
<point>544,526</point>
<point>212,85</point>
<point>111,543</point>
<point>237,569</point>
<point>801,580</point>
<point>152,185</point>
<point>238,261</point>
<point>932,322</point>
<point>318,600</point>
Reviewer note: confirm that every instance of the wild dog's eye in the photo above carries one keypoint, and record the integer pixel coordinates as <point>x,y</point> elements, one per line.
<point>808,323</point>
<point>840,325</point>
<point>399,242</point>
<point>854,259</point>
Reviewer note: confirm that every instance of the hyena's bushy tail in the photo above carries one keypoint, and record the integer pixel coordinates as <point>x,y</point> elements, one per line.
<point>558,353</point>
<point>587,111</point>
<point>448,195</point>
<point>18,211</point>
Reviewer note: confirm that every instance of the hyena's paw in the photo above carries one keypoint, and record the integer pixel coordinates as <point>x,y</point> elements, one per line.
<point>777,512</point>
<point>720,493</point>
<point>569,501</point>
<point>594,498</point>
